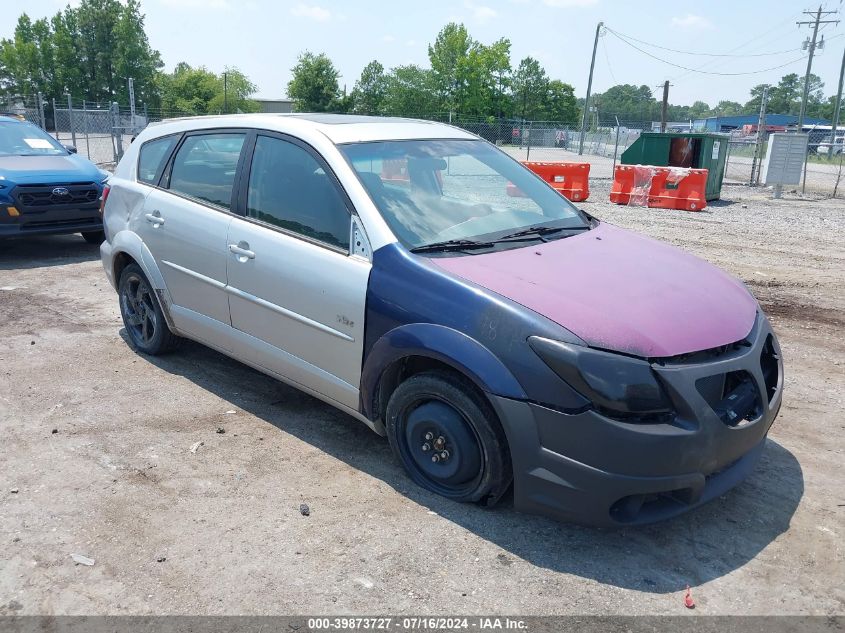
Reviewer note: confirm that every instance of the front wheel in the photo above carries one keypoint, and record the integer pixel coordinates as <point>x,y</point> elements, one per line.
<point>142,316</point>
<point>448,438</point>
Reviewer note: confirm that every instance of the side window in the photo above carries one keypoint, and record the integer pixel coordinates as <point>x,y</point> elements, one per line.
<point>152,156</point>
<point>204,167</point>
<point>289,188</point>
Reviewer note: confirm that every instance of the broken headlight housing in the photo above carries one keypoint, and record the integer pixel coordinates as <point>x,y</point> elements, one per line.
<point>617,385</point>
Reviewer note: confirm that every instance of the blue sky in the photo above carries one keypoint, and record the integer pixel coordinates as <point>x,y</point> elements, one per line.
<point>263,38</point>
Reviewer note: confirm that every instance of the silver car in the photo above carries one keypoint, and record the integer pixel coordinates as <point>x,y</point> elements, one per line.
<point>418,278</point>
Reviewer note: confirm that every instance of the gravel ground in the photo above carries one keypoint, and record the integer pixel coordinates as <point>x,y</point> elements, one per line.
<point>97,461</point>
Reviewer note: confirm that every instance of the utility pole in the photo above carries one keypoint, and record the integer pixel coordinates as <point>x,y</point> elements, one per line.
<point>838,104</point>
<point>225,94</point>
<point>761,131</point>
<point>589,89</point>
<point>812,49</point>
<point>665,109</point>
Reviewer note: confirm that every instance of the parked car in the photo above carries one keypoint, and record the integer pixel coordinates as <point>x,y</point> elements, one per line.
<point>45,187</point>
<point>826,148</point>
<point>379,265</point>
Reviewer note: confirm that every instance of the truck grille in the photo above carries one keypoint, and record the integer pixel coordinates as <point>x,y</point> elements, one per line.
<point>34,198</point>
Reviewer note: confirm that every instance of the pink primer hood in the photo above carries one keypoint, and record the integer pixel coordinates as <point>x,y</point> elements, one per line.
<point>618,290</point>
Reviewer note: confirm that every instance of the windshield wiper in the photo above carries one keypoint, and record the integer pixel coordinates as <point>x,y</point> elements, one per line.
<point>540,231</point>
<point>451,245</point>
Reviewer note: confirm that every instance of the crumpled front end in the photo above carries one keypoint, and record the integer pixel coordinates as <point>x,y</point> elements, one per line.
<point>597,468</point>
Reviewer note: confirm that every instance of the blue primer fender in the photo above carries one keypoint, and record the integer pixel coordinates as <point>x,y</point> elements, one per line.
<point>417,309</point>
<point>440,343</point>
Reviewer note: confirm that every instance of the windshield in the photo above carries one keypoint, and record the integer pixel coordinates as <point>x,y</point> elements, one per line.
<point>434,191</point>
<point>25,139</point>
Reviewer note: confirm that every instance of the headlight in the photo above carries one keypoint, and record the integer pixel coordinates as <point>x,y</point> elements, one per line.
<point>613,382</point>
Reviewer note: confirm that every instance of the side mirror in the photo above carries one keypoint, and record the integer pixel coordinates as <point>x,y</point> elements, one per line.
<point>71,148</point>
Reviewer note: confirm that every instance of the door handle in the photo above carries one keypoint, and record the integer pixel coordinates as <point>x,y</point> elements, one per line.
<point>155,218</point>
<point>242,253</point>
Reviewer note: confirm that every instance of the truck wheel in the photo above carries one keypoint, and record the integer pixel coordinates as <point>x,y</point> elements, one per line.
<point>142,316</point>
<point>94,237</point>
<point>448,438</point>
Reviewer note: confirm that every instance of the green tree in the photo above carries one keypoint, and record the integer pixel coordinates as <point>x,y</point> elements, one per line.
<point>450,69</point>
<point>530,87</point>
<point>133,57</point>
<point>188,89</point>
<point>487,79</point>
<point>560,104</point>
<point>88,51</point>
<point>410,90</point>
<point>785,97</point>
<point>233,93</point>
<point>699,110</point>
<point>314,86</point>
<point>728,108</point>
<point>370,90</point>
<point>200,91</point>
<point>628,103</point>
<point>29,58</point>
<point>71,73</point>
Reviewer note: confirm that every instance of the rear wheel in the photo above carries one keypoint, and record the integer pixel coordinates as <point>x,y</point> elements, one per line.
<point>94,237</point>
<point>142,316</point>
<point>448,439</point>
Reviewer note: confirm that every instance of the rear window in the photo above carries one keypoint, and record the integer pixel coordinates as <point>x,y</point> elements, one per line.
<point>204,167</point>
<point>152,157</point>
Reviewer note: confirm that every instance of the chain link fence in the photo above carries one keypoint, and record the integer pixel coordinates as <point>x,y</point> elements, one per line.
<point>102,131</point>
<point>551,141</point>
<point>99,131</point>
<point>822,173</point>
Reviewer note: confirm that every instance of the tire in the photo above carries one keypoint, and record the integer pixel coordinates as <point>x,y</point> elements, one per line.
<point>441,415</point>
<point>94,237</point>
<point>145,325</point>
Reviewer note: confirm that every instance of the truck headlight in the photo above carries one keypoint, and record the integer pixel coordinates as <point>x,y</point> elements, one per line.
<point>615,383</point>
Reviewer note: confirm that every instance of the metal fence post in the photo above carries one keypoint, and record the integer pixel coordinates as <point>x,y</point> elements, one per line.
<point>528,144</point>
<point>40,110</point>
<point>70,119</point>
<point>118,131</point>
<point>55,120</point>
<point>615,148</point>
<point>112,131</point>
<point>85,121</point>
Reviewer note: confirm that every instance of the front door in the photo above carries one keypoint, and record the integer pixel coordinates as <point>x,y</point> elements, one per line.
<point>293,285</point>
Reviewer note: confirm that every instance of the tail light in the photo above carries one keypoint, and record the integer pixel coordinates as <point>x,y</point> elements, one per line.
<point>103,198</point>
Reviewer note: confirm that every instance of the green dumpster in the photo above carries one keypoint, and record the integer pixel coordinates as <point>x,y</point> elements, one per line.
<point>700,151</point>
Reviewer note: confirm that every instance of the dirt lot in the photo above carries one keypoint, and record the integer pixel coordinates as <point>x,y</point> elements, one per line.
<point>96,461</point>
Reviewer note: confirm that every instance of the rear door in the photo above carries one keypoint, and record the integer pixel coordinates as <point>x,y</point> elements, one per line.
<point>294,287</point>
<point>185,224</point>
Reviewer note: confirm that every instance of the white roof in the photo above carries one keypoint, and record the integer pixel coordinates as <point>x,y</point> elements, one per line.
<point>338,128</point>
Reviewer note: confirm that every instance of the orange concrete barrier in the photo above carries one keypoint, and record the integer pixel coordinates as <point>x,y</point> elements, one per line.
<point>659,187</point>
<point>571,180</point>
<point>395,170</point>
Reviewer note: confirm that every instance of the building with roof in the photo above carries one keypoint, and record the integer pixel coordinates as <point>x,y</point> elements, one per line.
<point>276,106</point>
<point>728,123</point>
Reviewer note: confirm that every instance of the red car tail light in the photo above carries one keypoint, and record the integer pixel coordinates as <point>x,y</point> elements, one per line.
<point>103,198</point>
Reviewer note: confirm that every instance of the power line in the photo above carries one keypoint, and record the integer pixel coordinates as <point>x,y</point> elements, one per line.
<point>675,50</point>
<point>760,36</point>
<point>698,70</point>
<point>607,58</point>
